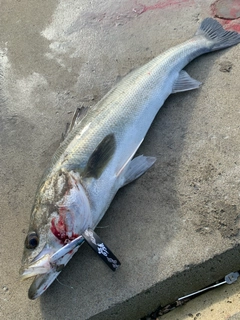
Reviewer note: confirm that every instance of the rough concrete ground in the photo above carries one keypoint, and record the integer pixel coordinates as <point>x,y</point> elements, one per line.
<point>176,229</point>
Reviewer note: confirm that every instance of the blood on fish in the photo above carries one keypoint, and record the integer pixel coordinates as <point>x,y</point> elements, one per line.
<point>60,231</point>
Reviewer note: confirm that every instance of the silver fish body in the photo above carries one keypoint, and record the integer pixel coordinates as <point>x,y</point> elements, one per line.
<point>96,158</point>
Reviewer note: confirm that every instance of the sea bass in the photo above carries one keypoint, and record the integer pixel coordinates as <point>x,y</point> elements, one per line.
<point>96,158</point>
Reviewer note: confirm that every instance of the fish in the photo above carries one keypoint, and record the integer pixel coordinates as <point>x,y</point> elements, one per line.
<point>96,158</point>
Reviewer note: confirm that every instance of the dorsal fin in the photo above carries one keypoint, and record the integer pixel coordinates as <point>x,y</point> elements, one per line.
<point>78,115</point>
<point>100,157</point>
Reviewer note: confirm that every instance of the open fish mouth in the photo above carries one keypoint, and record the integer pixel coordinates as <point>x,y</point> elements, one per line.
<point>41,283</point>
<point>41,266</point>
<point>46,267</point>
<point>43,272</point>
<point>45,275</point>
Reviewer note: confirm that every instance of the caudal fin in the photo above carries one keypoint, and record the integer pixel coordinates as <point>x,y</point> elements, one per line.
<point>217,36</point>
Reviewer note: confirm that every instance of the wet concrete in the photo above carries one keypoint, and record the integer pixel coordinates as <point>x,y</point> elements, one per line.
<point>176,229</point>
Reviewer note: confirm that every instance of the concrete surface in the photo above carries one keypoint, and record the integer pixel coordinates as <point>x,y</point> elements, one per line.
<point>219,304</point>
<point>176,229</point>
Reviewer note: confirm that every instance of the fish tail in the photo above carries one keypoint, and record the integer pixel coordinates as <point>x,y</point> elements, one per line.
<point>217,37</point>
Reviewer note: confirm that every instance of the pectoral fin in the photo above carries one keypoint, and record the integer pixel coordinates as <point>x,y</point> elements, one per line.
<point>137,167</point>
<point>100,157</point>
<point>184,83</point>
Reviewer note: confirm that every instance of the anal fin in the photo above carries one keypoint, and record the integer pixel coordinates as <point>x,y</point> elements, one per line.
<point>184,83</point>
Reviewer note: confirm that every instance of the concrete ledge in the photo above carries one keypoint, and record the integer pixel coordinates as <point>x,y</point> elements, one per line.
<point>171,289</point>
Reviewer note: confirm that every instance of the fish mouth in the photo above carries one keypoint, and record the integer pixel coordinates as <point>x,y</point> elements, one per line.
<point>47,266</point>
<point>44,273</point>
<point>40,266</point>
<point>41,283</point>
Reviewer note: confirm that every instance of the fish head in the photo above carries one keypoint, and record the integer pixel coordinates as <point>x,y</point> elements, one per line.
<point>61,213</point>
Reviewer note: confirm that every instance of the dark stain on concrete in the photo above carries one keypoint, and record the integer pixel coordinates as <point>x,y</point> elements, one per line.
<point>226,9</point>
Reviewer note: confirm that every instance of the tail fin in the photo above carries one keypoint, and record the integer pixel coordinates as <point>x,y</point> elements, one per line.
<point>218,37</point>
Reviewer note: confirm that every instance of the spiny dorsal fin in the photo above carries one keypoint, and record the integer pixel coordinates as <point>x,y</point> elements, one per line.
<point>78,115</point>
<point>100,157</point>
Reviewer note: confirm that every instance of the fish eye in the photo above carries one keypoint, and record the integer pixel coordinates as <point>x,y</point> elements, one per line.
<point>32,240</point>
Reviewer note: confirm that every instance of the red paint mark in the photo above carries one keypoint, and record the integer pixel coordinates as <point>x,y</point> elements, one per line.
<point>120,13</point>
<point>226,9</point>
<point>228,13</point>
<point>160,5</point>
<point>231,25</point>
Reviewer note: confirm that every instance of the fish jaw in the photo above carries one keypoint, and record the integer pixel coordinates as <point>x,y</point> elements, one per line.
<point>45,272</point>
<point>37,267</point>
<point>41,283</point>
